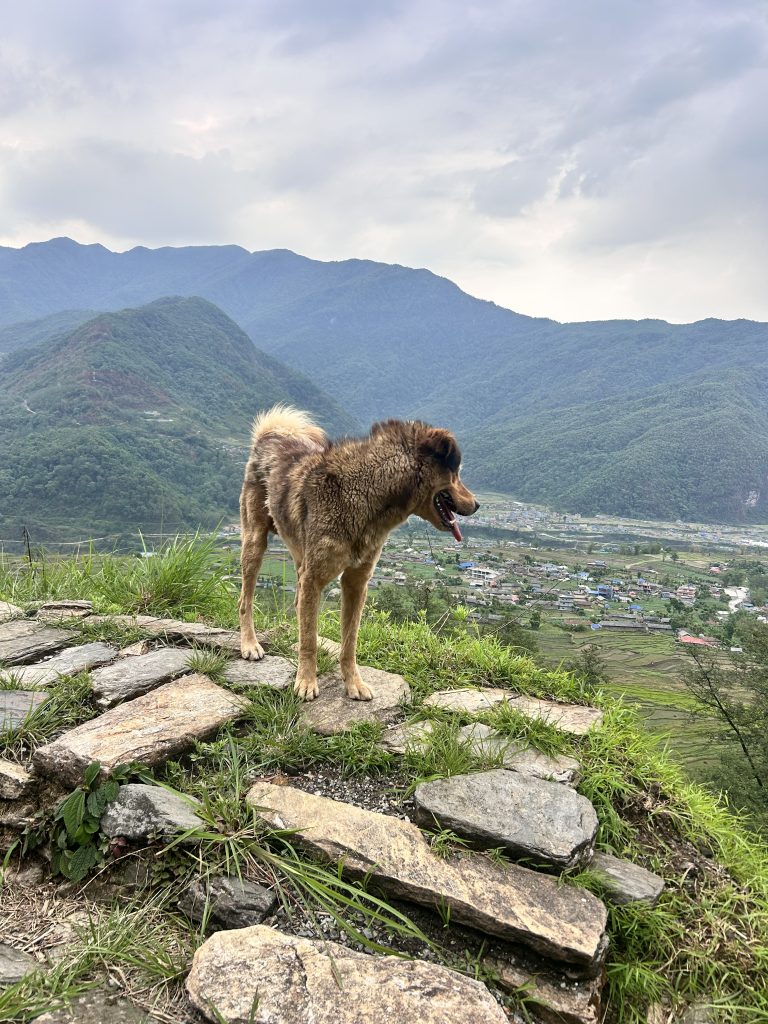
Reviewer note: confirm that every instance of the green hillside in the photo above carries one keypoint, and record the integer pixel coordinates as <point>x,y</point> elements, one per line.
<point>136,417</point>
<point>33,332</point>
<point>631,417</point>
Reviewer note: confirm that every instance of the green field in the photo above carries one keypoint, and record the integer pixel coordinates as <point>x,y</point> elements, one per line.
<point>645,669</point>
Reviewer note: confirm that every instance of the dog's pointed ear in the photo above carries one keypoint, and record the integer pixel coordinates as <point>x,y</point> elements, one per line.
<point>441,445</point>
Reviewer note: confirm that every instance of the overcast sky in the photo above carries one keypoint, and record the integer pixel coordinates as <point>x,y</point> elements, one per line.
<point>580,159</point>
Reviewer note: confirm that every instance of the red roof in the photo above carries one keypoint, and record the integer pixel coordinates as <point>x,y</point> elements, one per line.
<point>697,640</point>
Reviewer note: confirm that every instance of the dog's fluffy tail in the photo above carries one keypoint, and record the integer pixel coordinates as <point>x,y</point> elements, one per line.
<point>286,421</point>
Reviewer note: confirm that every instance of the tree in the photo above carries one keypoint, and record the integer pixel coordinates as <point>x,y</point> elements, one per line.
<point>535,620</point>
<point>732,686</point>
<point>590,666</point>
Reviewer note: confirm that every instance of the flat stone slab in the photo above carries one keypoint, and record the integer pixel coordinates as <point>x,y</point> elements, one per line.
<point>148,729</point>
<point>227,902</point>
<point>333,711</point>
<point>97,1008</point>
<point>15,781</point>
<point>175,629</point>
<point>278,673</point>
<point>291,980</point>
<point>9,611</point>
<point>541,821</point>
<point>626,882</point>
<point>67,663</point>
<point>15,965</point>
<point>17,705</point>
<point>576,719</point>
<point>55,611</point>
<point>132,677</point>
<point>506,900</point>
<point>551,998</point>
<point>144,812</point>
<point>519,757</point>
<point>486,742</point>
<point>24,640</point>
<point>408,736</point>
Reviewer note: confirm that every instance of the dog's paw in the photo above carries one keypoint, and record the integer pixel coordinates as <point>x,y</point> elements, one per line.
<point>251,650</point>
<point>358,690</point>
<point>307,689</point>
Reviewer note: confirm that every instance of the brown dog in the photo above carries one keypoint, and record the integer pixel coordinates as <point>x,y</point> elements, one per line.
<point>334,505</point>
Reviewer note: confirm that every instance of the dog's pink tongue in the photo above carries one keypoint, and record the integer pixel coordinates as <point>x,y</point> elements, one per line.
<point>455,529</point>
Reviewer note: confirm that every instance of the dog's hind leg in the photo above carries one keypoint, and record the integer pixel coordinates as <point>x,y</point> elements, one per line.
<point>255,524</point>
<point>354,588</point>
<point>308,594</point>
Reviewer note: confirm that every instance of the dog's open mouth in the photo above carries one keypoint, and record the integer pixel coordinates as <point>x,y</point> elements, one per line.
<point>447,512</point>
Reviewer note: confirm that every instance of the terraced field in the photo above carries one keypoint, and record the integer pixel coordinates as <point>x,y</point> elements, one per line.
<point>645,669</point>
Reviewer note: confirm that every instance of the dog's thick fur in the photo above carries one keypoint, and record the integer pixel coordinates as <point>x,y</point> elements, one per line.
<point>334,505</point>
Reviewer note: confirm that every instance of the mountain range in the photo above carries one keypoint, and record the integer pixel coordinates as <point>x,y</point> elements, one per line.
<point>626,417</point>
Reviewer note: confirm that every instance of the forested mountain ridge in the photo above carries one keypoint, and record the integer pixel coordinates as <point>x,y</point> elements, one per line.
<point>632,417</point>
<point>137,415</point>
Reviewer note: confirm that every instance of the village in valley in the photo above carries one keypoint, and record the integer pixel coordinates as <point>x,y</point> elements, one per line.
<point>642,594</point>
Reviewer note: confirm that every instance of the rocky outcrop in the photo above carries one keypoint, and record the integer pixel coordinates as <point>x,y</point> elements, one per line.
<point>261,976</point>
<point>508,901</point>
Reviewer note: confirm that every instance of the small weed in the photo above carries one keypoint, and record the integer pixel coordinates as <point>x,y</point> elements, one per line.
<point>208,663</point>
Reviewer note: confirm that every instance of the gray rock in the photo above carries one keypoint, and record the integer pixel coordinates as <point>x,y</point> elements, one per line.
<point>17,705</point>
<point>15,965</point>
<point>333,711</point>
<point>143,812</point>
<point>486,742</point>
<point>16,815</point>
<point>97,1008</point>
<point>576,719</point>
<point>24,640</point>
<point>550,997</point>
<point>292,981</point>
<point>408,736</point>
<point>518,756</point>
<point>15,781</point>
<point>174,629</point>
<point>277,673</point>
<point>148,729</point>
<point>132,677</point>
<point>467,699</point>
<point>544,822</point>
<point>505,900</point>
<point>626,882</point>
<point>55,611</point>
<point>67,663</point>
<point>227,902</point>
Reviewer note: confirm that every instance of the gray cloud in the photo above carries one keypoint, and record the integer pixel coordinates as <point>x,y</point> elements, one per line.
<point>576,160</point>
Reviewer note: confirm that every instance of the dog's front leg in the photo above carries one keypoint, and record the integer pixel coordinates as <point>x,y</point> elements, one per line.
<point>354,587</point>
<point>308,606</point>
